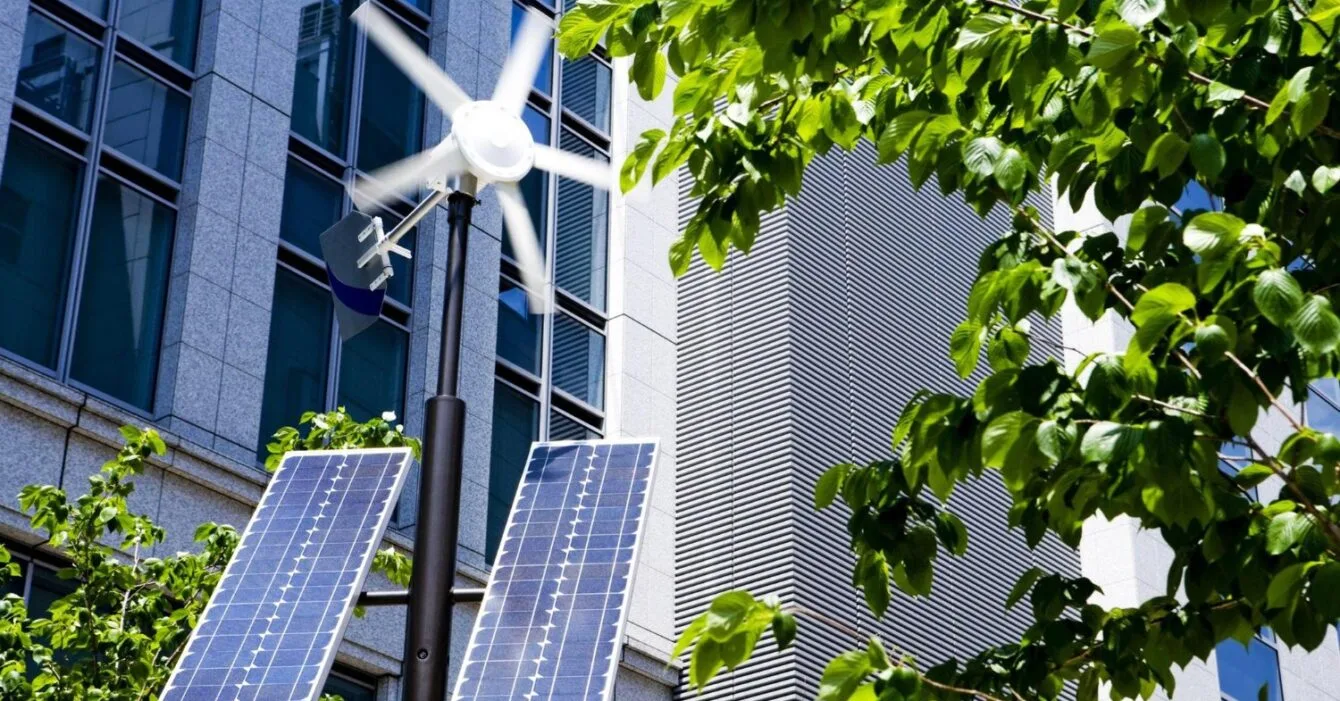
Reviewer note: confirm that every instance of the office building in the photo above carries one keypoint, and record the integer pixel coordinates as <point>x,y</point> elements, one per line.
<point>167,167</point>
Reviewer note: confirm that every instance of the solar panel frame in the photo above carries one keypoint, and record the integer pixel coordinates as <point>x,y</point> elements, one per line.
<point>612,664</point>
<point>406,461</point>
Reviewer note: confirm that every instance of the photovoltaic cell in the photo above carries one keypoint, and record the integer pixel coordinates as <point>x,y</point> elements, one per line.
<point>551,623</point>
<point>271,627</point>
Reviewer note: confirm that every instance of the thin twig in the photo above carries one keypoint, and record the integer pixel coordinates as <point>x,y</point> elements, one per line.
<point>1173,407</point>
<point>1304,14</point>
<point>853,632</point>
<point>1297,426</point>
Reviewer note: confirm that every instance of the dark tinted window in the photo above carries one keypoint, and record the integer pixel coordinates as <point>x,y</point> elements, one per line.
<point>58,72</point>
<point>518,329</point>
<point>124,293</point>
<point>586,91</point>
<point>372,372</point>
<point>146,120</point>
<point>516,423</point>
<point>1245,671</point>
<point>312,203</point>
<point>37,195</point>
<point>296,367</point>
<point>535,186</point>
<point>391,127</point>
<point>321,80</point>
<point>563,428</point>
<point>167,26</point>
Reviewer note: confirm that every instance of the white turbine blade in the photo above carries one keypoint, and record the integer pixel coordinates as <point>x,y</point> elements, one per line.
<point>420,69</point>
<point>405,176</point>
<point>521,232</point>
<point>570,165</point>
<point>523,62</point>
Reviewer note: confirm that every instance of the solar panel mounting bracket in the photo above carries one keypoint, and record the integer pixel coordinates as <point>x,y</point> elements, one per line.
<point>388,243</point>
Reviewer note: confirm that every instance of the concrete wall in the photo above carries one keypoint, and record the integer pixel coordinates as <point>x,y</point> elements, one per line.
<point>1130,563</point>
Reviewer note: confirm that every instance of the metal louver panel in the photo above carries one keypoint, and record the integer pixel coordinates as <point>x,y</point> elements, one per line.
<point>800,356</point>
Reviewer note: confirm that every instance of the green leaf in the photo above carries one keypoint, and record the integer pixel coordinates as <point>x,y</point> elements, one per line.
<point>693,90</point>
<point>1011,169</point>
<point>1315,326</point>
<point>1287,530</point>
<point>635,164</point>
<point>1001,434</point>
<point>1207,156</point>
<point>649,71</point>
<point>1286,585</point>
<point>1211,233</point>
<point>1022,585</point>
<point>843,675</point>
<point>897,137</point>
<point>1224,93</point>
<point>1278,296</point>
<point>1107,441</point>
<point>965,347</point>
<point>1143,224</point>
<point>1324,178</point>
<point>1295,182</point>
<point>783,628</point>
<point>578,33</point>
<point>978,31</point>
<point>1138,13</point>
<point>951,532</point>
<point>1325,591</point>
<point>1310,110</point>
<point>1166,154</point>
<point>726,613</point>
<point>1168,299</point>
<point>1112,45</point>
<point>828,486</point>
<point>980,155</point>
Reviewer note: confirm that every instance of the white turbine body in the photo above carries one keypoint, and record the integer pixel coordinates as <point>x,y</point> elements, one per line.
<point>488,139</point>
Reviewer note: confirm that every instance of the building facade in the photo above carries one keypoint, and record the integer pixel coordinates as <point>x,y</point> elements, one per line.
<point>801,356</point>
<point>165,169</point>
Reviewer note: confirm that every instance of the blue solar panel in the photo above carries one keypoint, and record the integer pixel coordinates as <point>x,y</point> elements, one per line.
<point>271,627</point>
<point>551,624</point>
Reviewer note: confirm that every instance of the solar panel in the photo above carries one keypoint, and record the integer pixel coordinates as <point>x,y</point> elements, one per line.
<point>271,627</point>
<point>551,623</point>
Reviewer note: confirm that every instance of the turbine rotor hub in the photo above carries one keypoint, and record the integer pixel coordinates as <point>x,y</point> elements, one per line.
<point>496,143</point>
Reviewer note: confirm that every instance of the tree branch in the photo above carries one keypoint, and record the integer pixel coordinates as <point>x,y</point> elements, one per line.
<point>1254,102</point>
<point>842,627</point>
<point>1297,426</point>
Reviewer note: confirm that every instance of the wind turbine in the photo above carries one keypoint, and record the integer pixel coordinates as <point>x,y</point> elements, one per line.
<point>489,145</point>
<point>488,142</point>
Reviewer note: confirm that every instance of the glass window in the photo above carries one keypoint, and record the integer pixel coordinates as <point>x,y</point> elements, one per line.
<point>348,689</point>
<point>296,366</point>
<point>124,292</point>
<point>166,26</point>
<point>146,120</point>
<point>582,233</point>
<point>535,186</point>
<point>544,77</point>
<point>391,126</point>
<point>46,589</point>
<point>586,91</point>
<point>579,360</point>
<point>312,203</point>
<point>1245,672</point>
<point>518,329</point>
<point>38,196</point>
<point>58,72</point>
<point>1322,401</point>
<point>372,372</point>
<point>564,428</point>
<point>321,80</point>
<point>516,423</point>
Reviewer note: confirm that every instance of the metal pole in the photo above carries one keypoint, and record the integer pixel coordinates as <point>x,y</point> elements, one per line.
<point>428,638</point>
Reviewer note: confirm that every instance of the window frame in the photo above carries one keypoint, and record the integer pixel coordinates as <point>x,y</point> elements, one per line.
<point>561,120</point>
<point>1266,637</point>
<point>97,160</point>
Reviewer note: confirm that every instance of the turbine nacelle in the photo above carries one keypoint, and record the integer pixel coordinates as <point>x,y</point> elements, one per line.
<point>495,143</point>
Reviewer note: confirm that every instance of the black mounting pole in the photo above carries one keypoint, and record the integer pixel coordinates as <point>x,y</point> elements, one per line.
<point>428,634</point>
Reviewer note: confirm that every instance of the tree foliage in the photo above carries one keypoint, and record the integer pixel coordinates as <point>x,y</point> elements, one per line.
<point>1128,101</point>
<point>118,634</point>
